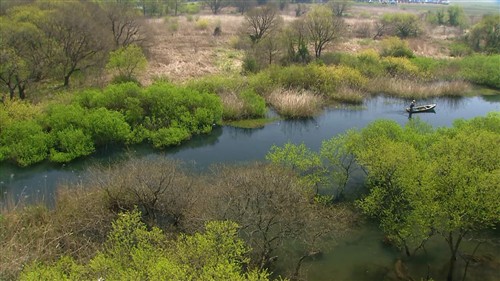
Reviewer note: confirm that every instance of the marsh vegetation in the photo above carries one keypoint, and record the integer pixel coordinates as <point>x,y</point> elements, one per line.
<point>78,76</point>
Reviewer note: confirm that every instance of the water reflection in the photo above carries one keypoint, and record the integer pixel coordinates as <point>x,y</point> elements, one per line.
<point>294,127</point>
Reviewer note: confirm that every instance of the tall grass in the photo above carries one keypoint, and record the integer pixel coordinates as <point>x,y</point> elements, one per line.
<point>408,88</point>
<point>291,103</point>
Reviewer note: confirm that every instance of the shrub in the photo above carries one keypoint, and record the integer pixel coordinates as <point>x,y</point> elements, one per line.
<point>485,35</point>
<point>369,63</point>
<point>395,47</point>
<point>25,142</point>
<point>401,24</point>
<point>165,137</point>
<point>481,70</point>
<point>202,24</point>
<point>107,126</point>
<point>70,144</point>
<point>190,8</point>
<point>460,50</point>
<point>400,67</point>
<point>255,105</point>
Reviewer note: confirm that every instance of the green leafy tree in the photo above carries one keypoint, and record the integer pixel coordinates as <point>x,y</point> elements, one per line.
<point>456,16</point>
<point>447,190</point>
<point>485,35</point>
<point>323,27</point>
<point>127,61</point>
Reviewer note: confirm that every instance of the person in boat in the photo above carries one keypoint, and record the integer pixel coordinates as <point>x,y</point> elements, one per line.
<point>412,105</point>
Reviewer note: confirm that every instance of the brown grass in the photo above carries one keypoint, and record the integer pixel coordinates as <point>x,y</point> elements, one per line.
<point>407,88</point>
<point>295,103</point>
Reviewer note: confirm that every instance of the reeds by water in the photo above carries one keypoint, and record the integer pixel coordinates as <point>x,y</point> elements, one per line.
<point>292,103</point>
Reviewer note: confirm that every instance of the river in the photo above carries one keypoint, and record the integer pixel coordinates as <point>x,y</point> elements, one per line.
<point>363,256</point>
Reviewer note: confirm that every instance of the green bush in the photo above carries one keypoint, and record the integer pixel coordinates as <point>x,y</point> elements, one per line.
<point>70,144</point>
<point>250,65</point>
<point>481,70</point>
<point>190,8</point>
<point>25,142</point>
<point>369,64</point>
<point>60,117</point>
<point>395,47</point>
<point>460,50</point>
<point>400,67</point>
<point>255,105</point>
<point>107,126</point>
<point>165,137</point>
<point>402,25</point>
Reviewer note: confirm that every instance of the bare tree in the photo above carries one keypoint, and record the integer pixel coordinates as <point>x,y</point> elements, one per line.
<point>323,27</point>
<point>160,189</point>
<point>339,7</point>
<point>126,25</point>
<point>216,5</point>
<point>78,29</point>
<point>244,6</point>
<point>271,206</point>
<point>260,21</point>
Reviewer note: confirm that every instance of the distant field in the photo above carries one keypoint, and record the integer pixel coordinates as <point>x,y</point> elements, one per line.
<point>471,8</point>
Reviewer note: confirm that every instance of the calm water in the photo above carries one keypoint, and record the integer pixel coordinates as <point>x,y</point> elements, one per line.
<point>228,144</point>
<point>361,256</point>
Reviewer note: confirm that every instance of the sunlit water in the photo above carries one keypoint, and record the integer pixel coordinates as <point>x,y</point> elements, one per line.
<point>361,256</point>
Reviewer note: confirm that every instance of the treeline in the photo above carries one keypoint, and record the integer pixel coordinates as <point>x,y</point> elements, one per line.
<point>162,114</point>
<point>422,184</point>
<point>55,41</point>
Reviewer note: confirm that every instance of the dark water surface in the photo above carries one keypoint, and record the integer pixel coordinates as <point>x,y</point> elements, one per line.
<point>359,257</point>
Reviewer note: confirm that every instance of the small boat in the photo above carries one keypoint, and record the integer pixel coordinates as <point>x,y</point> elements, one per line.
<point>422,108</point>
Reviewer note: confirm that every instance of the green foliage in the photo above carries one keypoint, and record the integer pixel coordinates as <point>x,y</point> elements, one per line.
<point>300,159</point>
<point>460,50</point>
<point>127,61</point>
<point>171,106</point>
<point>107,126</point>
<point>69,144</point>
<point>424,182</point>
<point>456,16</point>
<point>485,35</point>
<point>165,137</point>
<point>190,8</point>
<point>255,105</point>
<point>395,47</point>
<point>132,252</point>
<point>481,70</point>
<point>401,24</point>
<point>25,142</point>
<point>400,67</point>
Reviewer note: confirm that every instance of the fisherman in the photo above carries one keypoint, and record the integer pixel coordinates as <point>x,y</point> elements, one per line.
<point>412,105</point>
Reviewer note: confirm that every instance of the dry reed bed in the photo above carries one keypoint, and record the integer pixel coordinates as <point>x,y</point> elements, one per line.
<point>291,103</point>
<point>406,88</point>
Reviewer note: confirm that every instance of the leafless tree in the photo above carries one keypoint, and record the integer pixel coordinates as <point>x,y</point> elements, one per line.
<point>261,21</point>
<point>271,206</point>
<point>216,5</point>
<point>126,25</point>
<point>78,29</point>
